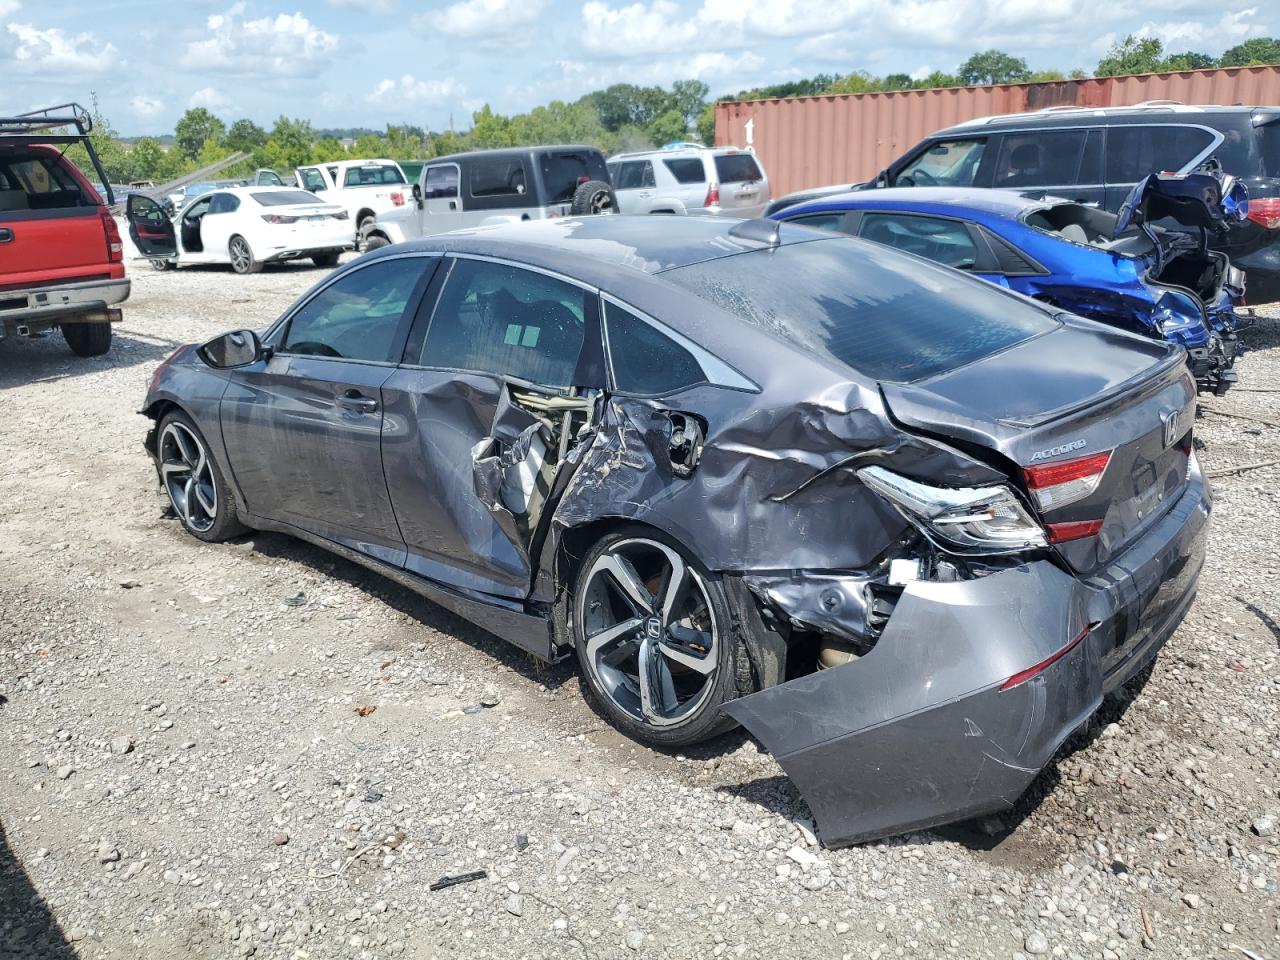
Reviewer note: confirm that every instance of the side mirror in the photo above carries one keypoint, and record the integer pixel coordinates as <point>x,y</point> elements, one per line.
<point>417,195</point>
<point>237,349</point>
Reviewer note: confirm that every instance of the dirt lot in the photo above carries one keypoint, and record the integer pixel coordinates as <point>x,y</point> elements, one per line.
<point>184,771</point>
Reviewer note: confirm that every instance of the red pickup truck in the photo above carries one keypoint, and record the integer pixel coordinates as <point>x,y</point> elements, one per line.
<point>61,256</point>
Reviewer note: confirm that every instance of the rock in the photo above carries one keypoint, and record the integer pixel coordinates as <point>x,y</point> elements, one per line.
<point>1264,826</point>
<point>1192,900</point>
<point>121,745</point>
<point>65,771</point>
<point>635,939</point>
<point>166,724</point>
<point>280,839</point>
<point>490,698</point>
<point>841,927</point>
<point>130,584</point>
<point>522,842</point>
<point>806,830</point>
<point>1036,943</point>
<point>380,906</point>
<point>515,905</point>
<point>801,856</point>
<point>107,853</point>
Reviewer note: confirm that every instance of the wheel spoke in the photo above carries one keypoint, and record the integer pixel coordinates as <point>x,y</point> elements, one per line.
<point>208,502</point>
<point>186,498</point>
<point>673,588</point>
<point>184,442</point>
<point>169,468</point>
<point>657,691</point>
<point>681,645</point>
<point>611,635</point>
<point>628,581</point>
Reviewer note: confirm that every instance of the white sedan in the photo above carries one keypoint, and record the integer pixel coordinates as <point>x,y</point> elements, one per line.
<point>243,226</point>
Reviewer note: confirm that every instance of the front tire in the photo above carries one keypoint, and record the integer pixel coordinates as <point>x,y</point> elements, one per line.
<point>242,259</point>
<point>195,485</point>
<point>87,339</point>
<point>376,243</point>
<point>654,638</point>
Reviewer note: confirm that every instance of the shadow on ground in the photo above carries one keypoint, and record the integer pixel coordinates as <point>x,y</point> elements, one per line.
<point>27,928</point>
<point>48,359</point>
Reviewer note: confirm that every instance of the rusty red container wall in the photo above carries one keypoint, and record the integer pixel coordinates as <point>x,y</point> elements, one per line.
<point>812,141</point>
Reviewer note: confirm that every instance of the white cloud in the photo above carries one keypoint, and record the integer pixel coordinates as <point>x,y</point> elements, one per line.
<point>285,45</point>
<point>371,6</point>
<point>211,99</point>
<point>1232,28</point>
<point>9,7</point>
<point>637,29</point>
<point>489,22</point>
<point>146,106</point>
<point>51,51</point>
<point>410,91</point>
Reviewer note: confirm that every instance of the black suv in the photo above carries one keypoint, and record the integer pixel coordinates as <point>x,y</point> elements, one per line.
<point>1096,155</point>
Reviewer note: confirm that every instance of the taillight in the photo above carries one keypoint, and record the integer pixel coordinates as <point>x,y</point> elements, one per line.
<point>1072,530</point>
<point>1265,212</point>
<point>397,199</point>
<point>713,196</point>
<point>1055,485</point>
<point>115,247</point>
<point>341,215</point>
<point>278,218</point>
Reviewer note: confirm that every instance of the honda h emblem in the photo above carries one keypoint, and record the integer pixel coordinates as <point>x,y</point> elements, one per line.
<point>1170,421</point>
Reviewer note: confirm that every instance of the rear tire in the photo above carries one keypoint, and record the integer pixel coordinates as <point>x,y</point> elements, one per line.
<point>242,258</point>
<point>193,481</point>
<point>326,260</point>
<point>376,243</point>
<point>87,339</point>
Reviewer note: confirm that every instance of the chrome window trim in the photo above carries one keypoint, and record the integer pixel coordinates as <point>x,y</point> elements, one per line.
<point>1216,140</point>
<point>717,372</point>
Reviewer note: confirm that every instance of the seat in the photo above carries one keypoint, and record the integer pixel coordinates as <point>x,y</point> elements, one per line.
<point>14,200</point>
<point>1075,233</point>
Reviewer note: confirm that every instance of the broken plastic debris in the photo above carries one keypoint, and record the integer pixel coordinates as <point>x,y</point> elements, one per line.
<point>444,882</point>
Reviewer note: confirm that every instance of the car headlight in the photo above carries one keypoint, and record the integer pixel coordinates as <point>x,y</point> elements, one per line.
<point>977,519</point>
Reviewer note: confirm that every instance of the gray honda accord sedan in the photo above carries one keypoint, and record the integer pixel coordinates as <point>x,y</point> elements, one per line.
<point>904,526</point>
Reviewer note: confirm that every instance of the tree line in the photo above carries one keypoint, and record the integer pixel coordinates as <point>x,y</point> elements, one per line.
<point>621,117</point>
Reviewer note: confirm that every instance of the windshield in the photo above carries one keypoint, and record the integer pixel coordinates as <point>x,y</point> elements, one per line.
<point>953,163</point>
<point>884,314</point>
<point>372,174</point>
<point>564,171</point>
<point>281,198</point>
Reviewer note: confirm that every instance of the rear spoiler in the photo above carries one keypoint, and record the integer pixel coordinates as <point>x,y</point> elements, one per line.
<point>51,125</point>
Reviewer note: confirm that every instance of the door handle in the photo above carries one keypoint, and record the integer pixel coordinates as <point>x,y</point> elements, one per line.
<point>6,235</point>
<point>357,402</point>
<point>453,204</point>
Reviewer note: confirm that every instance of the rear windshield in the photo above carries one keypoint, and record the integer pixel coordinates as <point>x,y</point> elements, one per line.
<point>36,181</point>
<point>564,172</point>
<point>737,168</point>
<point>1246,150</point>
<point>281,198</point>
<point>372,174</point>
<point>884,314</point>
<point>687,170</point>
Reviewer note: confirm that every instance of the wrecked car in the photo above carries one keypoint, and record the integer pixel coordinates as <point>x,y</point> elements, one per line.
<point>1148,269</point>
<point>895,521</point>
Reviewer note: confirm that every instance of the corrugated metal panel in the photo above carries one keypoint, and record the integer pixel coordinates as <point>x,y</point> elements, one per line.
<point>811,141</point>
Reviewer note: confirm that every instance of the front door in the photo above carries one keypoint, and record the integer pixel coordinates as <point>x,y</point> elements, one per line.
<point>441,205</point>
<point>498,331</point>
<point>150,227</point>
<point>303,429</point>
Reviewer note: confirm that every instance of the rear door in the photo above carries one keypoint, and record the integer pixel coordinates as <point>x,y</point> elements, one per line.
<point>943,240</point>
<point>635,185</point>
<point>304,429</point>
<point>150,228</point>
<point>1135,150</point>
<point>1040,163</point>
<point>743,188</point>
<point>50,224</point>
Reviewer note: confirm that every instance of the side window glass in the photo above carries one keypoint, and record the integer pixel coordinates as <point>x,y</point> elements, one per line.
<point>686,170</point>
<point>636,174</point>
<point>356,318</point>
<point>442,183</point>
<point>312,180</point>
<point>498,177</point>
<point>507,321</point>
<point>1091,160</point>
<point>646,175</point>
<point>943,241</point>
<point>1041,159</point>
<point>953,163</point>
<point>821,221</point>
<point>1135,151</point>
<point>646,361</point>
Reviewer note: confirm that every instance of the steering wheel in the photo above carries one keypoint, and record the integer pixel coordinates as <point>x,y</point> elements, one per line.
<point>920,178</point>
<point>313,348</point>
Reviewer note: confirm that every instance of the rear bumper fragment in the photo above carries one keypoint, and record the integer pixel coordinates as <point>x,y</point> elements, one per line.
<point>918,733</point>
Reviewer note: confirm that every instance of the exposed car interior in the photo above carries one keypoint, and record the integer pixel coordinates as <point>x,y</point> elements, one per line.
<point>30,182</point>
<point>190,229</point>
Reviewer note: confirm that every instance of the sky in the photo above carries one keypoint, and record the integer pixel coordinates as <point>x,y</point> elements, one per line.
<point>366,63</point>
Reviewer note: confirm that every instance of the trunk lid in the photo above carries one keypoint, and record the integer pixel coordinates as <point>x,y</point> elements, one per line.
<point>1206,199</point>
<point>1080,390</point>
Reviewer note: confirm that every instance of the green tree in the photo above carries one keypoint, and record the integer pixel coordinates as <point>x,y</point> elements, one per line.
<point>1131,55</point>
<point>688,97</point>
<point>1188,60</point>
<point>195,127</point>
<point>669,127</point>
<point>707,125</point>
<point>1259,50</point>
<point>992,66</point>
<point>369,146</point>
<point>244,134</point>
<point>898,81</point>
<point>490,130</point>
<point>939,79</point>
<point>1046,76</point>
<point>288,145</point>
<point>147,159</point>
<point>328,149</point>
<point>857,82</point>
<point>625,103</point>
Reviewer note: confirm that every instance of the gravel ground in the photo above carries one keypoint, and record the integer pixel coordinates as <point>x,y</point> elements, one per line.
<point>256,749</point>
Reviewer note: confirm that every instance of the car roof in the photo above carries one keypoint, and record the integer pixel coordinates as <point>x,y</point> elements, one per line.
<point>1000,203</point>
<point>242,191</point>
<point>601,249</point>
<point>1155,111</point>
<point>514,152</point>
<point>677,152</point>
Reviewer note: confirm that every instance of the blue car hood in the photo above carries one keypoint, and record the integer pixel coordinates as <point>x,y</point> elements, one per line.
<point>1206,198</point>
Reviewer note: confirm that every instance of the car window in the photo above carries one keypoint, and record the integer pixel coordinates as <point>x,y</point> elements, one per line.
<point>645,360</point>
<point>563,171</point>
<point>441,183</point>
<point>821,221</point>
<point>507,321</point>
<point>1091,160</point>
<point>737,168</point>
<point>868,308</point>
<point>1038,159</point>
<point>1135,151</point>
<point>952,163</point>
<point>686,169</point>
<point>38,182</point>
<point>357,316</point>
<point>943,241</point>
<point>311,179</point>
<point>281,198</point>
<point>498,177</point>
<point>635,174</point>
<point>374,173</point>
<point>223,203</point>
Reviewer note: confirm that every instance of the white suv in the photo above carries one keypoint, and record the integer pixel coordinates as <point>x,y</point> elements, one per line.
<point>689,179</point>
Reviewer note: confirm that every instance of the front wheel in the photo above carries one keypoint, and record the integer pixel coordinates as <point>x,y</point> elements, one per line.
<point>654,637</point>
<point>195,486</point>
<point>242,259</point>
<point>87,339</point>
<point>376,243</point>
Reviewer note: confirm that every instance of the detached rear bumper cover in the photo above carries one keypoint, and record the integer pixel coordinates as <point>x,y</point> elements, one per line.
<point>918,733</point>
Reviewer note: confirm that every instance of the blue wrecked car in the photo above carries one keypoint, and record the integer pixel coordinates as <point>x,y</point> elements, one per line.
<point>1148,269</point>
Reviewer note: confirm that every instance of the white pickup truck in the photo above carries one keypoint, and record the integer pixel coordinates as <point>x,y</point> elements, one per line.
<point>367,188</point>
